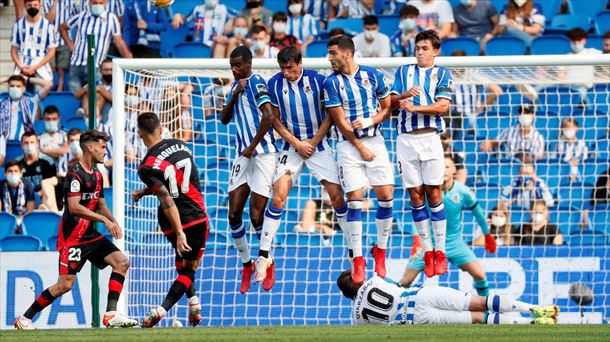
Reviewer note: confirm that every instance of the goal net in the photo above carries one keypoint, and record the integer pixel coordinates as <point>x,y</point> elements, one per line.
<point>565,92</point>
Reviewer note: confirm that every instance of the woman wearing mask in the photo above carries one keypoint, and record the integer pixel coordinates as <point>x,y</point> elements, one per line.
<point>569,148</point>
<point>522,19</point>
<point>500,227</point>
<point>300,24</point>
<point>239,34</point>
<point>539,231</point>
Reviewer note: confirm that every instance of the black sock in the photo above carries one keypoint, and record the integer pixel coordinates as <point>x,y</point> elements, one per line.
<point>249,263</point>
<point>350,253</point>
<point>264,254</point>
<point>115,286</point>
<point>190,292</point>
<point>41,302</point>
<point>178,288</point>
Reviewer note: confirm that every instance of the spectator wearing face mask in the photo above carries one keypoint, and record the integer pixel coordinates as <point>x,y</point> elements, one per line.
<point>526,188</point>
<point>103,95</point>
<point>74,153</point>
<point>257,14</point>
<point>16,193</point>
<point>39,169</point>
<point>476,19</point>
<point>33,43</point>
<point>301,24</point>
<point>239,33</point>
<point>435,15</point>
<point>539,231</point>
<point>500,228</point>
<point>403,41</point>
<point>54,141</point>
<point>522,141</point>
<point>279,38</point>
<point>260,44</point>
<point>371,42</point>
<point>522,19</point>
<point>569,148</point>
<point>209,22</point>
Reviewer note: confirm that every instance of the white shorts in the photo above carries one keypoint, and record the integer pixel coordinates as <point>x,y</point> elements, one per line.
<point>322,165</point>
<point>44,72</point>
<point>257,172</point>
<point>421,159</point>
<point>441,305</point>
<point>353,171</point>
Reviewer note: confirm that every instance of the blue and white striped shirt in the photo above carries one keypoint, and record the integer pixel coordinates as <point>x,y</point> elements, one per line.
<point>520,194</point>
<point>18,116</point>
<point>513,142</point>
<point>467,98</point>
<point>435,83</point>
<point>65,10</point>
<point>401,50</point>
<point>208,23</point>
<point>358,94</point>
<point>317,8</point>
<point>33,40</point>
<point>300,104</point>
<point>302,27</point>
<point>116,7</point>
<point>247,115</point>
<point>382,301</point>
<point>105,27</point>
<point>567,150</point>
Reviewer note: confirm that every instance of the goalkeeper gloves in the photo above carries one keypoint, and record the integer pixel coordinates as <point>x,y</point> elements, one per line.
<point>417,246</point>
<point>490,244</point>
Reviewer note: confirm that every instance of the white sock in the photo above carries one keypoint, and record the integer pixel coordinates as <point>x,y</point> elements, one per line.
<point>342,220</point>
<point>383,221</point>
<point>421,220</point>
<point>241,243</point>
<point>496,318</point>
<point>439,226</point>
<point>497,303</point>
<point>271,224</point>
<point>354,226</point>
<point>161,311</point>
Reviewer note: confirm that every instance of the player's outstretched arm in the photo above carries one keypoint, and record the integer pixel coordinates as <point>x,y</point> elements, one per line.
<point>139,193</point>
<point>168,206</point>
<point>384,113</point>
<point>322,131</point>
<point>105,211</point>
<point>227,111</point>
<point>266,123</point>
<point>81,211</point>
<point>346,130</point>
<point>440,107</point>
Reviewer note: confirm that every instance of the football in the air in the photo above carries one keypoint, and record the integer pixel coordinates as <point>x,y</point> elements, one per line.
<point>161,3</point>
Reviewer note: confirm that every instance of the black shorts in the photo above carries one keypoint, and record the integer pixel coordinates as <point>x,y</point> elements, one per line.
<point>73,258</point>
<point>195,238</point>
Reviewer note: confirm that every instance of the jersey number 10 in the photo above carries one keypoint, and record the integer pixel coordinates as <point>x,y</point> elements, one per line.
<point>170,175</point>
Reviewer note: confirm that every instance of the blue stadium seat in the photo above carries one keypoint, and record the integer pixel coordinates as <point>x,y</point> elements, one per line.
<point>64,101</point>
<point>171,37</point>
<point>549,7</point>
<point>598,98</point>
<point>217,238</point>
<point>349,25</point>
<point>52,243</point>
<point>553,44</point>
<point>217,173</point>
<point>470,45</point>
<point>214,197</point>
<point>317,48</point>
<point>596,42</point>
<point>505,46</point>
<point>566,220</point>
<point>75,122</point>
<point>39,127</point>
<point>566,22</point>
<point>575,196</point>
<point>388,24</point>
<point>501,172</point>
<point>602,21</point>
<point>8,224</point>
<point>593,127</point>
<point>20,243</point>
<point>13,150</point>
<point>276,5</point>
<point>588,7</point>
<point>519,216</point>
<point>191,50</point>
<point>489,127</point>
<point>41,224</point>
<point>602,148</point>
<point>559,99</point>
<point>548,126</point>
<point>488,197</point>
<point>592,169</point>
<point>401,241</point>
<point>303,239</point>
<point>586,237</point>
<point>600,220</point>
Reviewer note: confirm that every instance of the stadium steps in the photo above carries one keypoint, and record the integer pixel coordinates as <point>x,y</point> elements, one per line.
<point>7,19</point>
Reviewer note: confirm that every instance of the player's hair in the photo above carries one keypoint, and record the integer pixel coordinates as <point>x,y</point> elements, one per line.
<point>28,134</point>
<point>577,34</point>
<point>408,11</point>
<point>30,1</point>
<point>50,109</point>
<point>370,20</point>
<point>74,131</point>
<point>243,52</point>
<point>289,54</point>
<point>537,202</point>
<point>91,136</point>
<point>347,286</point>
<point>459,53</point>
<point>257,29</point>
<point>106,60</point>
<point>607,35</point>
<point>337,31</point>
<point>450,157</point>
<point>10,164</point>
<point>430,35</point>
<point>16,78</point>
<point>148,122</point>
<point>280,16</point>
<point>529,109</point>
<point>343,42</point>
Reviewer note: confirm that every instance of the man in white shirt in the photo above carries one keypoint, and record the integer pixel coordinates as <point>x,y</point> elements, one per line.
<point>371,42</point>
<point>434,15</point>
<point>54,141</point>
<point>260,44</point>
<point>580,77</point>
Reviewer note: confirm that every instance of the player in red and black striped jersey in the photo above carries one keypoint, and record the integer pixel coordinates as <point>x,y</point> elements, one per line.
<point>169,172</point>
<point>79,241</point>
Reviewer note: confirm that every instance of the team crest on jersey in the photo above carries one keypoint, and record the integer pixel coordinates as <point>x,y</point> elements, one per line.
<point>307,89</point>
<point>261,87</point>
<point>285,91</point>
<point>433,77</point>
<point>38,169</point>
<point>455,198</point>
<point>451,86</point>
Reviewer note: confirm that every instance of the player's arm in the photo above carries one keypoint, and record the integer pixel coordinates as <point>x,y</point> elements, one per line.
<point>384,113</point>
<point>79,210</point>
<point>168,206</point>
<point>303,148</point>
<point>322,131</point>
<point>227,111</point>
<point>265,125</point>
<point>336,113</point>
<point>102,208</point>
<point>139,193</point>
<point>440,107</point>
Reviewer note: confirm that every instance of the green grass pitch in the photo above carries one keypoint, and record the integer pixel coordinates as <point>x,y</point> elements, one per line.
<point>446,333</point>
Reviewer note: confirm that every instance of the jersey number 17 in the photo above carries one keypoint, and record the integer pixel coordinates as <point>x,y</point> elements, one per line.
<point>170,175</point>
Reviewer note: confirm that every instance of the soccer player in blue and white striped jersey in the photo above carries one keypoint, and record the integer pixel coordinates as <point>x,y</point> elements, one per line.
<point>357,99</point>
<point>33,43</point>
<point>422,91</point>
<point>303,124</point>
<point>105,26</point>
<point>252,172</point>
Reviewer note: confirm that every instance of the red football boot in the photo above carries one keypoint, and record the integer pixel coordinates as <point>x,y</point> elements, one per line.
<point>429,264</point>
<point>440,262</point>
<point>379,255</point>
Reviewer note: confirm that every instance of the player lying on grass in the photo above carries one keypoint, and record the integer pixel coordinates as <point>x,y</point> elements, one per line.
<point>382,301</point>
<point>169,172</point>
<point>79,241</point>
<point>456,197</point>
